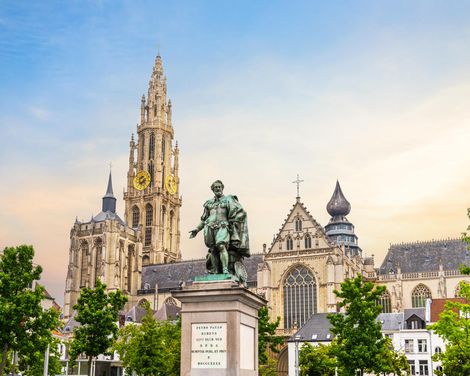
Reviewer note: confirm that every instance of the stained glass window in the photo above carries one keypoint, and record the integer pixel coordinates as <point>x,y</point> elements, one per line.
<point>385,302</point>
<point>419,296</point>
<point>300,297</point>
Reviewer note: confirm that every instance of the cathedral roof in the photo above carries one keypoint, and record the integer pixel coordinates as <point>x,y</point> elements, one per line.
<point>169,276</point>
<point>338,205</point>
<point>425,256</point>
<point>299,204</point>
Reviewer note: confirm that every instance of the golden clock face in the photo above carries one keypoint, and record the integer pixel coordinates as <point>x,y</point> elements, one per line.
<point>170,184</point>
<point>141,180</point>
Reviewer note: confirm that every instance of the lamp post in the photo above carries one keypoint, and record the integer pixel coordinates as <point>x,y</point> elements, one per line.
<point>296,364</point>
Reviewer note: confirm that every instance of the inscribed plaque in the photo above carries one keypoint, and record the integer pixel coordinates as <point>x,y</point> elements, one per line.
<point>209,345</point>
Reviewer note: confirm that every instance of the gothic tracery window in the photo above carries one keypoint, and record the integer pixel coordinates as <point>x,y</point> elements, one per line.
<point>135,216</point>
<point>289,243</point>
<point>300,296</point>
<point>385,302</point>
<point>308,241</point>
<point>419,295</point>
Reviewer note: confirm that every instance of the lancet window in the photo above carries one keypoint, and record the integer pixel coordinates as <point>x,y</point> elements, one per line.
<point>298,224</point>
<point>84,265</point>
<point>300,296</point>
<point>98,259</point>
<point>385,302</point>
<point>152,146</point>
<point>289,243</point>
<point>135,217</point>
<point>142,146</point>
<point>308,241</point>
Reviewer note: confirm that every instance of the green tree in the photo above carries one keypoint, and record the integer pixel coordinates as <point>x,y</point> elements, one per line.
<point>25,327</point>
<point>269,368</point>
<point>32,364</point>
<point>266,335</point>
<point>316,360</point>
<point>97,313</point>
<point>454,327</point>
<point>152,348</point>
<point>359,344</point>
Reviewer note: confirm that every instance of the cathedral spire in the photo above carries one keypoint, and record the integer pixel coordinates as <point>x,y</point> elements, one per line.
<point>109,201</point>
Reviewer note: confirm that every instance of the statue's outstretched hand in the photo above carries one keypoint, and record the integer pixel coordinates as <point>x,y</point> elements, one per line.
<point>193,233</point>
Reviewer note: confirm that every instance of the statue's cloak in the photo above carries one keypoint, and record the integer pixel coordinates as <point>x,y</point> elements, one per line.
<point>237,223</point>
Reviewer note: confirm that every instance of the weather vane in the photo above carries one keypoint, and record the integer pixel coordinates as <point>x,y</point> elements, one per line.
<point>298,181</point>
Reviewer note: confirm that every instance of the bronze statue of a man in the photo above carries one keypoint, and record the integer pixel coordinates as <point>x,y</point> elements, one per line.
<point>225,233</point>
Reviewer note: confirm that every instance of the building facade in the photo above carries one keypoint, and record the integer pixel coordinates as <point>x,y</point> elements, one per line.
<point>113,250</point>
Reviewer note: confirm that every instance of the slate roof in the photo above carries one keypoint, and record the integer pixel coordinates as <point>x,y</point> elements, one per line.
<point>425,256</point>
<point>169,276</point>
<point>391,321</point>
<point>419,312</point>
<point>317,328</point>
<point>168,312</point>
<point>135,314</point>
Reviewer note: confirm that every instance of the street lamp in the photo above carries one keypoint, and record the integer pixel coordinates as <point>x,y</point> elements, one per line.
<point>297,338</point>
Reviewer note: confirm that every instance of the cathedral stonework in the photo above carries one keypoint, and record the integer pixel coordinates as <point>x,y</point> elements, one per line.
<point>155,209</point>
<point>113,250</point>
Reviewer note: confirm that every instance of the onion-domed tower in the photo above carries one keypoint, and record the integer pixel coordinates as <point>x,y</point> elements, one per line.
<point>339,229</point>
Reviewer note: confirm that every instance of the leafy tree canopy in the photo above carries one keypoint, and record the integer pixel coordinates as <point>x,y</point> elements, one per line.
<point>316,360</point>
<point>454,327</point>
<point>359,344</point>
<point>25,327</point>
<point>266,335</point>
<point>97,313</point>
<point>152,348</point>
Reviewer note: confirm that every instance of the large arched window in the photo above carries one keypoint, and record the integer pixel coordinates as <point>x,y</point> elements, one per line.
<point>135,216</point>
<point>300,296</point>
<point>84,265</point>
<point>152,146</point>
<point>308,241</point>
<point>298,224</point>
<point>419,295</point>
<point>289,244</point>
<point>385,302</point>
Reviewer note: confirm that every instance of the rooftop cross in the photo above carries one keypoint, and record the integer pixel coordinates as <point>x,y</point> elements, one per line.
<point>298,181</point>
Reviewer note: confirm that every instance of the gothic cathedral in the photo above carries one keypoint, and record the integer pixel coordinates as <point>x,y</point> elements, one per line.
<point>112,250</point>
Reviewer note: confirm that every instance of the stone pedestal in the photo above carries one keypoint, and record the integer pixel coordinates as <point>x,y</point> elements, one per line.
<point>219,322</point>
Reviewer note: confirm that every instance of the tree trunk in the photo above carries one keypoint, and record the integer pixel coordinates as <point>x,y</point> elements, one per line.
<point>90,359</point>
<point>4,358</point>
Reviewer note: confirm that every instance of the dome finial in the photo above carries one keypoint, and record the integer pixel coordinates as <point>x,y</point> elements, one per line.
<point>338,205</point>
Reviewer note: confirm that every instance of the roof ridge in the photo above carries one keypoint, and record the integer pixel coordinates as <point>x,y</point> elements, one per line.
<point>425,241</point>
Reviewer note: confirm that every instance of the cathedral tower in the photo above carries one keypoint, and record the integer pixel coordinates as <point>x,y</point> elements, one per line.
<point>339,229</point>
<point>152,196</point>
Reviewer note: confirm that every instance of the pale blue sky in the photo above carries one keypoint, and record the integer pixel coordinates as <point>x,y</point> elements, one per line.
<point>374,93</point>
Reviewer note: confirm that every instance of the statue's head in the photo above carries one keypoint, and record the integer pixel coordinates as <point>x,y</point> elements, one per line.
<point>218,188</point>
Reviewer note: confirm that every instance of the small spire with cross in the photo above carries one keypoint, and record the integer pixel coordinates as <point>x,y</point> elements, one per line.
<point>298,181</point>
